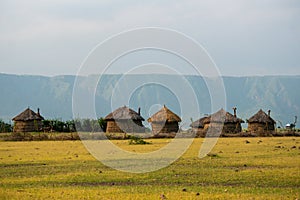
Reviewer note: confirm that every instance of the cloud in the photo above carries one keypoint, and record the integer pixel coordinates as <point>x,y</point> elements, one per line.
<point>29,19</point>
<point>236,33</point>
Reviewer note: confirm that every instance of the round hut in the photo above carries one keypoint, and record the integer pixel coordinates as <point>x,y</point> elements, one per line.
<point>125,120</point>
<point>28,121</point>
<point>220,121</point>
<point>261,123</point>
<point>198,127</point>
<point>164,121</point>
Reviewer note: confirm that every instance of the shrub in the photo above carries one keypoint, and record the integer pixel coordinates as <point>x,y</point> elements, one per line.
<point>5,127</point>
<point>102,124</point>
<point>137,140</point>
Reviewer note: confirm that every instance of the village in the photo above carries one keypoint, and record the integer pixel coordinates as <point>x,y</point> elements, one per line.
<point>164,124</point>
<point>49,159</point>
<point>149,100</point>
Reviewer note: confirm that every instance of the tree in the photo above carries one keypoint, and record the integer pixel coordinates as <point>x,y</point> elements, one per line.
<point>102,124</point>
<point>5,127</point>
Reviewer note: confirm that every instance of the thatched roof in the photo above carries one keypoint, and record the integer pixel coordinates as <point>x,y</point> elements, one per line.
<point>198,123</point>
<point>124,113</point>
<point>28,115</point>
<point>261,117</point>
<point>222,116</point>
<point>164,115</point>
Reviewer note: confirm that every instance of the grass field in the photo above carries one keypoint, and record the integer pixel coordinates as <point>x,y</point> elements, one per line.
<point>264,168</point>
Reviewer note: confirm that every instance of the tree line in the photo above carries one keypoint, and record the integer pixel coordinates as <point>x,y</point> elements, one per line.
<point>89,125</point>
<point>56,125</point>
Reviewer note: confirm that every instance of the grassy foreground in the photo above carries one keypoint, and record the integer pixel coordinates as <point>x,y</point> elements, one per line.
<point>262,168</point>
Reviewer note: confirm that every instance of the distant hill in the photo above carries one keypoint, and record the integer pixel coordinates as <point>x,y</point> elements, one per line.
<point>53,95</point>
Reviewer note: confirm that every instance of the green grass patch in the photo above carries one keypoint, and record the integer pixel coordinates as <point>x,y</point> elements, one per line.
<point>137,140</point>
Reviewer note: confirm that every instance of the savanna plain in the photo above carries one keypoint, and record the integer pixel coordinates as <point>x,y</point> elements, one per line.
<point>236,168</point>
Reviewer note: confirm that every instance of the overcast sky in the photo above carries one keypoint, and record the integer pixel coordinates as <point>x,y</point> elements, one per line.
<point>244,37</point>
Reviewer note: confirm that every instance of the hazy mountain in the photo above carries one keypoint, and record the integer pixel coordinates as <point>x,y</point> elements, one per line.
<point>53,95</point>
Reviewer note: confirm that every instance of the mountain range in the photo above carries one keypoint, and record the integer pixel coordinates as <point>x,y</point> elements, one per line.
<point>53,95</point>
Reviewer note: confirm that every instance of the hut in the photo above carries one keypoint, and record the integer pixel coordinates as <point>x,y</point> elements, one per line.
<point>125,120</point>
<point>164,121</point>
<point>220,121</point>
<point>28,121</point>
<point>198,127</point>
<point>261,123</point>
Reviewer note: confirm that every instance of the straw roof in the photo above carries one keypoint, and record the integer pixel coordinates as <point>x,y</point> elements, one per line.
<point>164,115</point>
<point>261,117</point>
<point>222,116</point>
<point>124,113</point>
<point>28,115</point>
<point>198,123</point>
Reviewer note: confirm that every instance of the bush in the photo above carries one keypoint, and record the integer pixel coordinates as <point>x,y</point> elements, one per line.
<point>5,127</point>
<point>137,140</point>
<point>59,126</point>
<point>90,125</point>
<point>102,124</point>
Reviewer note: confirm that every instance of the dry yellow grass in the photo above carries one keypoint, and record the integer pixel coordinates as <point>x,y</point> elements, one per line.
<point>264,168</point>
